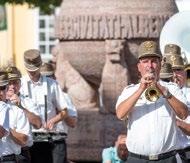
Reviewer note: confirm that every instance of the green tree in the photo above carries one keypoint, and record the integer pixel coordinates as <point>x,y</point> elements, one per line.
<point>46,6</point>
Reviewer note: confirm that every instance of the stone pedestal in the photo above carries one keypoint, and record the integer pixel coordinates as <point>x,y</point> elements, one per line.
<point>94,132</point>
<point>96,58</point>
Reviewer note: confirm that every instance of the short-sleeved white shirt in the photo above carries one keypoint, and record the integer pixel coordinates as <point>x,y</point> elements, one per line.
<point>37,92</point>
<point>184,140</point>
<point>18,121</point>
<point>28,104</point>
<point>4,114</point>
<point>62,126</point>
<point>151,125</point>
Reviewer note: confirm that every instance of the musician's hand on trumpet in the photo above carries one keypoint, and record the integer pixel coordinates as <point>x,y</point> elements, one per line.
<point>147,80</point>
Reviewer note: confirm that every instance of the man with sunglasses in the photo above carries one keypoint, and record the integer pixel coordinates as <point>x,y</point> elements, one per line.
<point>26,104</point>
<point>10,146</point>
<point>4,120</point>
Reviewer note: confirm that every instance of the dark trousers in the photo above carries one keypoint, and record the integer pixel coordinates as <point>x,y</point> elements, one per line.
<point>183,155</point>
<point>9,161</point>
<point>171,159</point>
<point>48,152</point>
<point>59,152</point>
<point>12,158</point>
<point>25,156</point>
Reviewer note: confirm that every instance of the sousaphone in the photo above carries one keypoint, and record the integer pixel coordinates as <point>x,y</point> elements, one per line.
<point>177,31</point>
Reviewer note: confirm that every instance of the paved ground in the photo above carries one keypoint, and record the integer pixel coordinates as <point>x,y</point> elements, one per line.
<point>84,162</point>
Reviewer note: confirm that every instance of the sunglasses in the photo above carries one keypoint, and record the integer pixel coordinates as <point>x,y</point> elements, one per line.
<point>178,69</point>
<point>2,88</point>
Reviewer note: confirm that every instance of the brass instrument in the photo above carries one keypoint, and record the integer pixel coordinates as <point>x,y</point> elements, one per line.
<point>152,93</point>
<point>187,69</point>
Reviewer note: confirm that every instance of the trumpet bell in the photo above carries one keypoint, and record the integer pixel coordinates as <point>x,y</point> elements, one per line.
<point>152,94</point>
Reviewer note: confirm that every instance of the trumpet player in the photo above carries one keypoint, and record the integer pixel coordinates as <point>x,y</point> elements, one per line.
<point>184,134</point>
<point>180,78</point>
<point>157,141</point>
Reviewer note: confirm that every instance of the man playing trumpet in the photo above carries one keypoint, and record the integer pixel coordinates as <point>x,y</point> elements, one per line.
<point>157,118</point>
<point>180,78</point>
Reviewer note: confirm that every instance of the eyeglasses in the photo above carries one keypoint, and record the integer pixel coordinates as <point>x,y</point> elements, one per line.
<point>178,69</point>
<point>2,88</point>
<point>167,80</point>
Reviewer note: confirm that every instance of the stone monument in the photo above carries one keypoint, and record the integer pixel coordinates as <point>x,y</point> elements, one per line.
<point>96,58</point>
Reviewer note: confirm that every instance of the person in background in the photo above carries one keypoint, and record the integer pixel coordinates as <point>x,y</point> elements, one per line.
<point>47,70</point>
<point>49,141</point>
<point>4,120</point>
<point>4,114</point>
<point>118,153</point>
<point>156,117</point>
<point>10,146</point>
<point>180,78</point>
<point>25,103</point>
<point>166,72</point>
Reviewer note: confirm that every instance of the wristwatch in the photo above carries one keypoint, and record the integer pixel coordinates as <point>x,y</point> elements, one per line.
<point>167,94</point>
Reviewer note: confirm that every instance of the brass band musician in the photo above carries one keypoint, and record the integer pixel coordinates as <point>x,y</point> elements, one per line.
<point>157,119</point>
<point>180,78</point>
<point>49,141</point>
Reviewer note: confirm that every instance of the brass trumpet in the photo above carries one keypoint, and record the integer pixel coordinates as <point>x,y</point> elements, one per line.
<point>152,93</point>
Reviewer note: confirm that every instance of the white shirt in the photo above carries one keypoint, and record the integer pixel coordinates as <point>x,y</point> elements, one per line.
<point>18,121</point>
<point>37,92</point>
<point>4,114</point>
<point>28,104</point>
<point>62,126</point>
<point>186,92</point>
<point>151,125</point>
<point>183,139</point>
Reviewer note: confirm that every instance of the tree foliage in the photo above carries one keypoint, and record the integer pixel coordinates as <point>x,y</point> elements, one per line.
<point>46,6</point>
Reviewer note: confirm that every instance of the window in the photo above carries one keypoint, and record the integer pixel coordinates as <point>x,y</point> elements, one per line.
<point>46,35</point>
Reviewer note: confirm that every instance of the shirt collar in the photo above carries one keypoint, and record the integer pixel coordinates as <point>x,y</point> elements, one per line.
<point>39,82</point>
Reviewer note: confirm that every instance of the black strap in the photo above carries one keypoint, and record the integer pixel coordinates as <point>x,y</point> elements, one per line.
<point>187,149</point>
<point>11,157</point>
<point>50,133</point>
<point>153,157</point>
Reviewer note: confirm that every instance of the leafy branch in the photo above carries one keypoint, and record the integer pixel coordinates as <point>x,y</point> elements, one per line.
<point>46,6</point>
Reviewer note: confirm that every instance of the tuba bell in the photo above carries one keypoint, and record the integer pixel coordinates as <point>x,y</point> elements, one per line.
<point>177,31</point>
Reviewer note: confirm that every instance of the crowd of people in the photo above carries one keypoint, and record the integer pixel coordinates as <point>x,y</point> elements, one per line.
<point>36,113</point>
